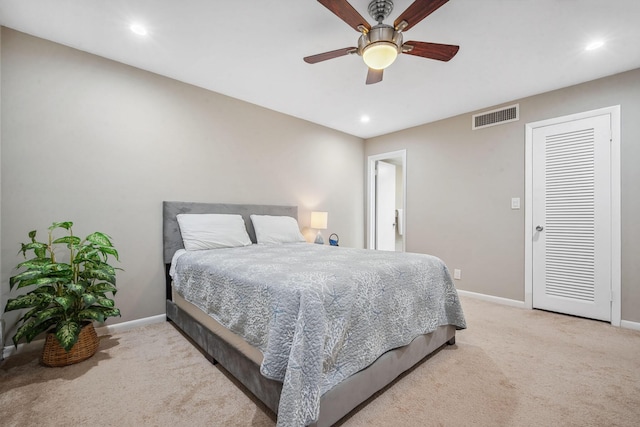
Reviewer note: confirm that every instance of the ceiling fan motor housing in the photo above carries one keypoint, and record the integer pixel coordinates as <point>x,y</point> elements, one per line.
<point>378,34</point>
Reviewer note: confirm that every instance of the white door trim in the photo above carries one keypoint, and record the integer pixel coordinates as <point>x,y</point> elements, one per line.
<point>616,284</point>
<point>371,193</point>
<point>386,198</point>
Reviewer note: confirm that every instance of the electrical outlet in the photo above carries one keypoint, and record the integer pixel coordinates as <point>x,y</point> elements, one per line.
<point>457,274</point>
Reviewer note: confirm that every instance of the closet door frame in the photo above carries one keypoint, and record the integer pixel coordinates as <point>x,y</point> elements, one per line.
<point>614,113</point>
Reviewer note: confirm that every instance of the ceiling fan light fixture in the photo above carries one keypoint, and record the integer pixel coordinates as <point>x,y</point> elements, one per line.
<point>380,55</point>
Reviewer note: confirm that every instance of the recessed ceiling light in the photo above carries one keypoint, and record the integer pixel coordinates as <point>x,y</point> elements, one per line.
<point>594,45</point>
<point>365,119</point>
<point>138,29</point>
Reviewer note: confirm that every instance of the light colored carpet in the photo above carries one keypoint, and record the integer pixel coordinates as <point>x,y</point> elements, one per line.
<point>511,367</point>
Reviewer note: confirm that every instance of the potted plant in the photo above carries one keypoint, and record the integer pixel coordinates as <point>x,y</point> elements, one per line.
<point>67,292</point>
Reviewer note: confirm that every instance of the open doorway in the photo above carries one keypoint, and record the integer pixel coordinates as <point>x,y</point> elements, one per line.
<point>386,201</point>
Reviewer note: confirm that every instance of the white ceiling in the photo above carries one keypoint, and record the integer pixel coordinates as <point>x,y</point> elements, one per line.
<point>253,50</point>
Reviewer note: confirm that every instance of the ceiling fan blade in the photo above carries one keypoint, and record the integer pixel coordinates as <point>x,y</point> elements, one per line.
<point>343,10</point>
<point>441,52</point>
<point>418,10</point>
<point>329,55</point>
<point>374,76</point>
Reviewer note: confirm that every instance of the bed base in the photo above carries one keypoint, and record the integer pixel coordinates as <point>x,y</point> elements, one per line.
<point>335,403</point>
<point>218,350</point>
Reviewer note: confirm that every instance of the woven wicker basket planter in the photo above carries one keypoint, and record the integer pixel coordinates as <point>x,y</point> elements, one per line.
<point>86,346</point>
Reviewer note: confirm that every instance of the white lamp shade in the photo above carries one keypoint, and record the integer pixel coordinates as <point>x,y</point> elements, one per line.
<point>380,55</point>
<point>319,220</point>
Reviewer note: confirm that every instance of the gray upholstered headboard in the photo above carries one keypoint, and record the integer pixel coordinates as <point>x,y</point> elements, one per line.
<point>172,239</point>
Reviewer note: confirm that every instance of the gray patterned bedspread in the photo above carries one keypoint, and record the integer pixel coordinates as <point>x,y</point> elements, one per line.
<point>318,313</point>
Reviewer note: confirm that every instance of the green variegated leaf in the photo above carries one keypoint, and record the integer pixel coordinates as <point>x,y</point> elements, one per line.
<point>89,299</point>
<point>67,334</point>
<point>45,300</point>
<point>38,329</point>
<point>32,235</point>
<point>22,301</point>
<point>75,288</point>
<point>91,314</point>
<point>69,240</point>
<point>41,281</point>
<point>33,246</point>
<point>89,256</point>
<point>85,253</point>
<point>103,287</point>
<point>99,265</point>
<point>100,239</point>
<point>109,250</point>
<point>23,330</point>
<point>100,275</point>
<point>35,263</point>
<point>109,312</point>
<point>33,312</point>
<point>105,302</point>
<point>45,292</point>
<point>93,263</point>
<point>66,225</point>
<point>59,267</point>
<point>25,275</point>
<point>48,314</point>
<point>30,330</point>
<point>85,283</point>
<point>65,301</point>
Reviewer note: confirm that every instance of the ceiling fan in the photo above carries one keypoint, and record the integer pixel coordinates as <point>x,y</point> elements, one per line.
<point>380,45</point>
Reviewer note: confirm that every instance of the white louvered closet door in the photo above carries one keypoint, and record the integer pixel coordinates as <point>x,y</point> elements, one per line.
<point>572,218</point>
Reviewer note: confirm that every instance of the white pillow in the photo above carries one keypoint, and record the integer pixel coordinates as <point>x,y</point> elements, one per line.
<point>276,229</point>
<point>212,231</point>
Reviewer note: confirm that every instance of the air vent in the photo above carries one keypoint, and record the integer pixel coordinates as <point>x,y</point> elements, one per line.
<point>495,117</point>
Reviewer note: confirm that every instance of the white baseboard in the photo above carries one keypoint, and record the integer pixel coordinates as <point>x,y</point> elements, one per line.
<point>11,350</point>
<point>132,324</point>
<point>630,325</point>
<point>520,304</point>
<point>491,298</point>
<point>101,330</point>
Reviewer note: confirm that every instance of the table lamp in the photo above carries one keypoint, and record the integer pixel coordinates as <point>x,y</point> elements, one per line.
<point>319,222</point>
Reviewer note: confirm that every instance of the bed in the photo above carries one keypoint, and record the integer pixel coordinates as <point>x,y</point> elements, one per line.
<point>296,379</point>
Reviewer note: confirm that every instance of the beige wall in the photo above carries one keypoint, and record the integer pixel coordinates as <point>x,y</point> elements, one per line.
<point>460,185</point>
<point>102,144</point>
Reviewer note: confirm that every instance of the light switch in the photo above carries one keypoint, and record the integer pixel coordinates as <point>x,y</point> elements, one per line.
<point>515,203</point>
